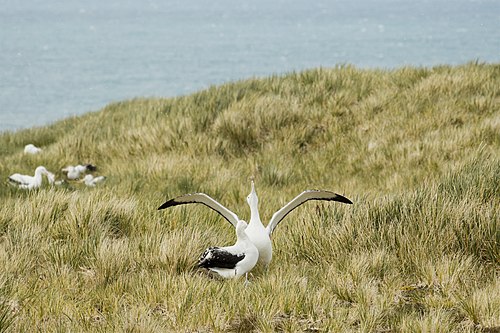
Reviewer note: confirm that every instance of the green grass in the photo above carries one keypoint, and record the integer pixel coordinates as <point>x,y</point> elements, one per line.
<point>416,149</point>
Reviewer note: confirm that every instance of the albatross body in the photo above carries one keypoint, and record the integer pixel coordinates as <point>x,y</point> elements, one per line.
<point>74,172</point>
<point>91,181</point>
<point>232,261</point>
<point>31,149</point>
<point>256,231</point>
<point>30,182</point>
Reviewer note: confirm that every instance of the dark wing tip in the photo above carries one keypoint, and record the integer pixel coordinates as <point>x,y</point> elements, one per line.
<point>341,198</point>
<point>332,196</point>
<point>169,203</point>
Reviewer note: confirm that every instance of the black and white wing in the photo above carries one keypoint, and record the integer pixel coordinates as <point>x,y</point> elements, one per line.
<point>203,199</point>
<point>19,180</point>
<point>299,200</point>
<point>216,257</point>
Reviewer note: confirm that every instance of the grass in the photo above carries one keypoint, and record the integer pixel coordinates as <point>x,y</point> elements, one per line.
<point>416,149</point>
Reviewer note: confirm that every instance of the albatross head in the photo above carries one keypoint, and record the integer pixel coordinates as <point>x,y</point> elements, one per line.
<point>40,170</point>
<point>252,197</point>
<point>240,229</point>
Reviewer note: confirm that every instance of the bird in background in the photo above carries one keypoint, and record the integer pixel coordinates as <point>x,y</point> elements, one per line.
<point>92,181</point>
<point>74,172</point>
<point>232,261</point>
<point>259,234</point>
<point>32,149</point>
<point>31,182</point>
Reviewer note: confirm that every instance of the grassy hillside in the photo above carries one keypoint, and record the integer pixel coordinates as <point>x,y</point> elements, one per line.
<point>416,149</point>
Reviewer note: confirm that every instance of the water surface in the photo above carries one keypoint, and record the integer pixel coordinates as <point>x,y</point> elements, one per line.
<point>61,58</point>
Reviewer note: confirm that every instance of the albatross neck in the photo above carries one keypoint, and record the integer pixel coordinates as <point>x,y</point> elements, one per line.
<point>240,233</point>
<point>254,214</point>
<point>39,172</point>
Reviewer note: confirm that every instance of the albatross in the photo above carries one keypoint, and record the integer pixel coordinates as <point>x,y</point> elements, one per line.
<point>258,234</point>
<point>232,261</point>
<point>90,180</point>
<point>31,149</point>
<point>73,172</point>
<point>31,182</point>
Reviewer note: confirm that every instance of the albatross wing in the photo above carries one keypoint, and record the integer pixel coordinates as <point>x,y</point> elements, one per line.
<point>203,199</point>
<point>20,180</point>
<point>299,200</point>
<point>216,257</point>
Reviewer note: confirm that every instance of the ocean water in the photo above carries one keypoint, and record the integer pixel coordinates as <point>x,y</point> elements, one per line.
<point>60,58</point>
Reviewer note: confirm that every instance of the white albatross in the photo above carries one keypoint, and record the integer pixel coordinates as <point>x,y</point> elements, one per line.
<point>31,149</point>
<point>258,234</point>
<point>232,261</point>
<point>74,172</point>
<point>90,180</point>
<point>30,182</point>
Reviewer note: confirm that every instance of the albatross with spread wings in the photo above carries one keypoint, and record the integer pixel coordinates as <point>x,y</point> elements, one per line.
<point>258,234</point>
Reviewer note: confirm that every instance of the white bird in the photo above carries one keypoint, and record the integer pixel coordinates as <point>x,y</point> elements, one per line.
<point>232,261</point>
<point>258,234</point>
<point>74,172</point>
<point>31,182</point>
<point>31,149</point>
<point>92,181</point>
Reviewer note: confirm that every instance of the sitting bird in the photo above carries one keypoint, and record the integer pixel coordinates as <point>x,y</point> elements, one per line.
<point>90,180</point>
<point>232,261</point>
<point>74,172</point>
<point>31,149</point>
<point>30,182</point>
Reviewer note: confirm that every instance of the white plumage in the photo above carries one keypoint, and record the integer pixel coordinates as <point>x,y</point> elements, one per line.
<point>31,149</point>
<point>74,172</point>
<point>92,181</point>
<point>257,233</point>
<point>232,261</point>
<point>31,182</point>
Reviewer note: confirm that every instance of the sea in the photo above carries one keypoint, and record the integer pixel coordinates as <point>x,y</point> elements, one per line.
<point>61,58</point>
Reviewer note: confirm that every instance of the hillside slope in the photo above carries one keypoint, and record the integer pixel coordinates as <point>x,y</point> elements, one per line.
<point>416,149</point>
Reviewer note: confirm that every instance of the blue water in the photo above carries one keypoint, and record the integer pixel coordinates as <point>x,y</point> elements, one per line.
<point>60,58</point>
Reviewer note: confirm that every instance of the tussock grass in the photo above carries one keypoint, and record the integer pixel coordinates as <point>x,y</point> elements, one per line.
<point>416,149</point>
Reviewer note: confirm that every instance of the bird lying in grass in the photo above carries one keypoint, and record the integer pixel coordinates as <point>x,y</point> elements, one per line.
<point>31,182</point>
<point>90,180</point>
<point>74,172</point>
<point>31,149</point>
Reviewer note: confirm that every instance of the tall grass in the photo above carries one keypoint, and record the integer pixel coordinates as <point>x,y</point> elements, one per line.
<point>416,149</point>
